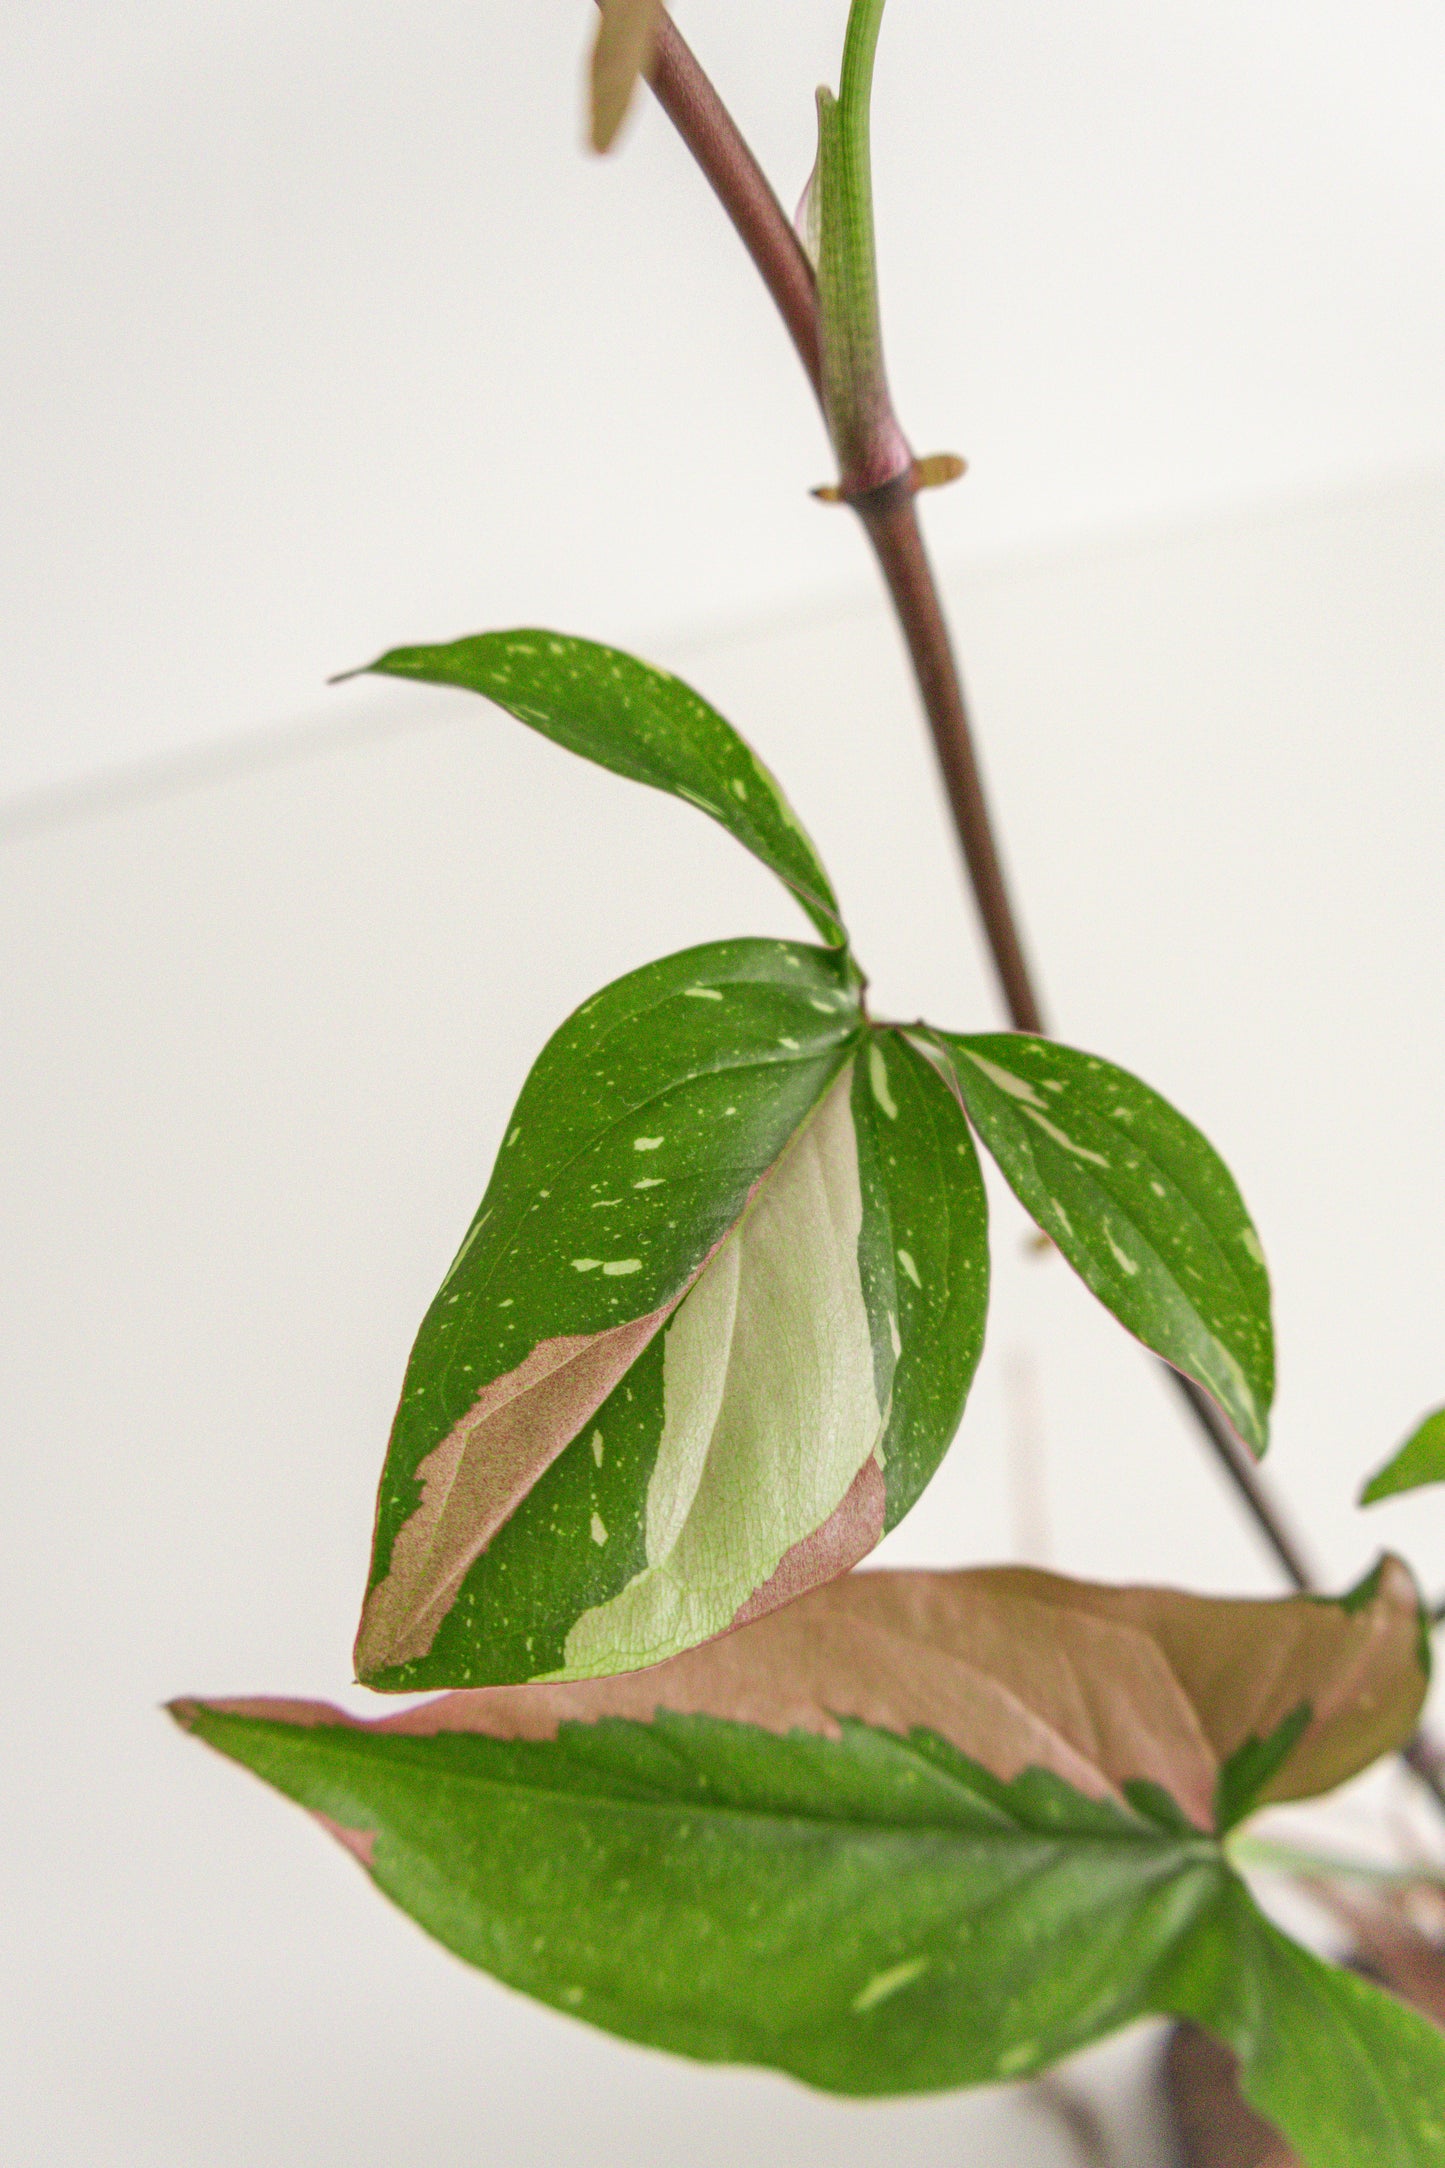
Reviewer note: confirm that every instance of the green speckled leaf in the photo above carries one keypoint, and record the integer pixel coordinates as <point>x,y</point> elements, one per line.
<point>1138,1202</point>
<point>640,722</point>
<point>1420,1460</point>
<point>925,1270</point>
<point>640,1137</point>
<point>709,1335</point>
<point>840,1842</point>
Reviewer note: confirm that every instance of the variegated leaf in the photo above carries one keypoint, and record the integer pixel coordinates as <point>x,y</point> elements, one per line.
<point>640,722</point>
<point>914,1830</point>
<point>716,1317</point>
<point>1138,1202</point>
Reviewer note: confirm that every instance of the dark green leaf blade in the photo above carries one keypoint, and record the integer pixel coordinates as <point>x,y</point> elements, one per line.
<point>645,1128</point>
<point>875,1915</point>
<point>869,1913</point>
<point>1420,1460</point>
<point>640,722</point>
<point>1138,1202</point>
<point>1348,2074</point>
<point>913,1830</point>
<point>925,1254</point>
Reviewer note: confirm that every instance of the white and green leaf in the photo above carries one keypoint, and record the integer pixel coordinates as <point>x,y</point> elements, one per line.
<point>640,722</point>
<point>1139,1203</point>
<point>677,1373</point>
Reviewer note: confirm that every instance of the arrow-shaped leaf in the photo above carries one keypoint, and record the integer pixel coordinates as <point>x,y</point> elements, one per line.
<point>640,722</point>
<point>1139,1203</point>
<point>709,1334</point>
<point>914,1830</point>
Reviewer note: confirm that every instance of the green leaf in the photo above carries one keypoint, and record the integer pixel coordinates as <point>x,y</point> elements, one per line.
<point>680,1370</point>
<point>1420,1460</point>
<point>1346,2073</point>
<point>1254,1765</point>
<point>640,722</point>
<point>925,1255</point>
<point>1138,1202</point>
<point>880,1839</point>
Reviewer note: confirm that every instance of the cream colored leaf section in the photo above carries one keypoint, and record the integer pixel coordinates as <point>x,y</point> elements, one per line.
<point>770,1407</point>
<point>626,40</point>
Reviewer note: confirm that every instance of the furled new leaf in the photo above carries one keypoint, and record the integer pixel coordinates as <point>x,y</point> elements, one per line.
<point>1420,1460</point>
<point>914,1830</point>
<point>1138,1202</point>
<point>708,1335</point>
<point>640,722</point>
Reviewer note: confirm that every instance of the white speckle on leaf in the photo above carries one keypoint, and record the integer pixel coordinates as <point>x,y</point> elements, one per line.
<point>1159,1189</point>
<point>649,1181</point>
<point>597,1447</point>
<point>739,787</point>
<point>878,1081</point>
<point>1252,1244</point>
<point>1061,1216</point>
<point>585,1264</point>
<point>647,1144</point>
<point>514,1136</point>
<point>620,1267</point>
<point>791,1044</point>
<point>1050,1129</point>
<point>1017,1087</point>
<point>702,993</point>
<point>599,1531</point>
<point>909,1267</point>
<point>815,1003</point>
<point>884,1984</point>
<point>1125,1262</point>
<point>893,1336</point>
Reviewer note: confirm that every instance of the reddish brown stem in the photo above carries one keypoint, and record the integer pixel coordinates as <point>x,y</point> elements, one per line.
<point>742,188</point>
<point>891,523</point>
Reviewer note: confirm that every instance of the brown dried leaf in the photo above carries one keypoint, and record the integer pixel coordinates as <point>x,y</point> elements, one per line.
<point>625,43</point>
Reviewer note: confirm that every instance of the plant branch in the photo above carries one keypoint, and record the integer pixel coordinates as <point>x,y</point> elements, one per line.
<point>891,522</point>
<point>742,188</point>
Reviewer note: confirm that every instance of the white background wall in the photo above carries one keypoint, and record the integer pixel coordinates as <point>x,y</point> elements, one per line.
<point>322,333</point>
<point>326,336</point>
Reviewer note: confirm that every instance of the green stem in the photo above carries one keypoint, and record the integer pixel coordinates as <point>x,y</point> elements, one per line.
<point>872,450</point>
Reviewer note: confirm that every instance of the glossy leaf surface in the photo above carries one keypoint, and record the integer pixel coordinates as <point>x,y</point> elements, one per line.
<point>1139,1203</point>
<point>640,722</point>
<point>1420,1460</point>
<point>709,1334</point>
<point>841,1842</point>
<point>925,1254</point>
